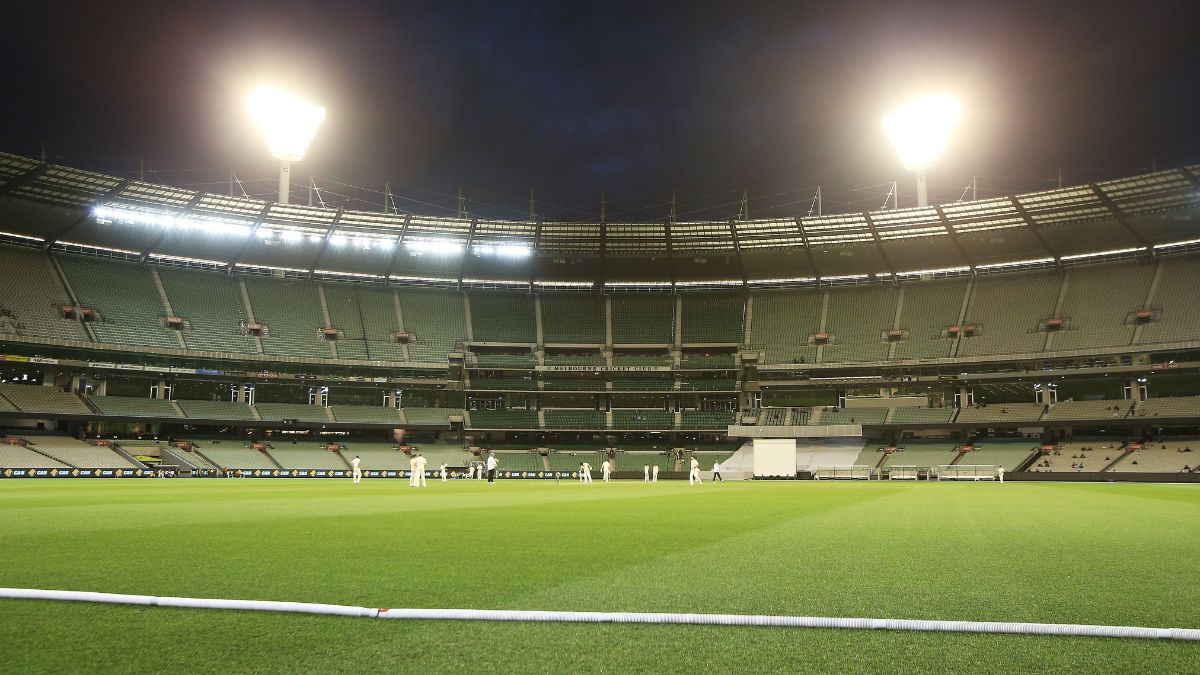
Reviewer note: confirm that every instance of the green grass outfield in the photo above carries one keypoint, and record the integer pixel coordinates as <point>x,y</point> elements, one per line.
<point>1071,553</point>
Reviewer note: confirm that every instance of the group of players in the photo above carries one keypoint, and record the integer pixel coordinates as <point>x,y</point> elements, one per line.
<point>418,463</point>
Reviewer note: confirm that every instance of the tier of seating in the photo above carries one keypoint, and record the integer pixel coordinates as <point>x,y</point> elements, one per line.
<point>783,323</point>
<point>575,318</point>
<point>921,416</point>
<point>503,383</point>
<point>233,456</point>
<point>858,321</point>
<point>366,414</point>
<point>1175,303</point>
<point>1000,412</point>
<point>643,384</point>
<point>852,416</point>
<point>1086,410</point>
<point>772,417</point>
<point>130,307</point>
<point>574,419</point>
<point>38,398</point>
<point>643,318</point>
<point>1161,457</point>
<point>1009,454</point>
<point>929,308</point>
<point>520,461</point>
<point>75,452</point>
<point>216,410</point>
<point>292,313</point>
<point>637,461</point>
<point>174,456</point>
<point>1089,324</point>
<point>380,322</point>
<point>635,419</point>
<point>376,456</point>
<point>573,384</point>
<point>1176,406</point>
<point>434,321</point>
<point>567,460</point>
<point>292,411</point>
<point>707,361</point>
<point>20,457</point>
<point>133,406</point>
<point>712,318</point>
<point>213,307</point>
<point>503,317</point>
<point>32,297</point>
<point>301,457</point>
<point>346,314</point>
<point>923,454</point>
<point>1009,313</point>
<point>709,384</point>
<point>504,419</point>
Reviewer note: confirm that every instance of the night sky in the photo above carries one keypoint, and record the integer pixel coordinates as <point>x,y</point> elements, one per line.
<point>634,99</point>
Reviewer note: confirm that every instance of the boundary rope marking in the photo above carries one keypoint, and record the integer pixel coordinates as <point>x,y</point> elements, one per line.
<point>1004,627</point>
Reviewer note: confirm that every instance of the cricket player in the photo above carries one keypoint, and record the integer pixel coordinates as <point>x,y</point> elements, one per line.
<point>585,472</point>
<point>355,472</point>
<point>492,463</point>
<point>717,472</point>
<point>1000,473</point>
<point>646,472</point>
<point>412,471</point>
<point>654,474</point>
<point>442,471</point>
<point>419,473</point>
<point>694,476</point>
<point>606,469</point>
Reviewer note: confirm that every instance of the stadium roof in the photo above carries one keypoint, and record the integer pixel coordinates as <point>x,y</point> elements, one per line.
<point>1114,217</point>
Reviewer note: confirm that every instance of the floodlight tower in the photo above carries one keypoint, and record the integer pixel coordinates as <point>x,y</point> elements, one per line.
<point>289,124</point>
<point>919,130</point>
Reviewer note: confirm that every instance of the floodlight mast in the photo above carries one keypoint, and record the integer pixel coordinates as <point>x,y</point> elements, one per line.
<point>920,130</point>
<point>289,124</point>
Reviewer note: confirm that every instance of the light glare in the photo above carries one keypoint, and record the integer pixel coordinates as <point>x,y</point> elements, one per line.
<point>921,128</point>
<point>286,121</point>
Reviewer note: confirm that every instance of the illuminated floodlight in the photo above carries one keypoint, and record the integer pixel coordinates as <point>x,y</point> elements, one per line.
<point>288,123</point>
<point>503,250</point>
<point>110,214</point>
<point>920,130</point>
<point>437,246</point>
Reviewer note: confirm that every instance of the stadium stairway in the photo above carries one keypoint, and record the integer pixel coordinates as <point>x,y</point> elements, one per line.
<point>116,447</point>
<point>1126,451</point>
<point>196,450</point>
<point>266,451</point>
<point>50,457</point>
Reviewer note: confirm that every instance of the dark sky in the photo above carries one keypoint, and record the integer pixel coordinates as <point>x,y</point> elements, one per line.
<point>633,98</point>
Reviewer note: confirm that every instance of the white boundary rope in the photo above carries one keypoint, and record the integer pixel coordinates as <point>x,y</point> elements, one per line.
<point>613,617</point>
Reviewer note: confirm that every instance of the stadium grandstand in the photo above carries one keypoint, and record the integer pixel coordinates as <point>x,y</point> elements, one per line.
<point>1023,322</point>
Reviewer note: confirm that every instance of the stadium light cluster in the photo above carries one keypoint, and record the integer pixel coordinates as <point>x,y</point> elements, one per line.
<point>109,214</point>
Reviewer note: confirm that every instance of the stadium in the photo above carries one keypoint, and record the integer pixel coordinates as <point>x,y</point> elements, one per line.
<point>975,410</point>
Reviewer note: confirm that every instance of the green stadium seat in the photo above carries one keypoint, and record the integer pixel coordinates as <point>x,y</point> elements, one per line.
<point>712,318</point>
<point>643,318</point>
<point>499,316</point>
<point>573,318</point>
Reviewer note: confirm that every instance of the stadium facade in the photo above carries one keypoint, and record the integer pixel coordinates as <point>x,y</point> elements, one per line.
<point>1003,325</point>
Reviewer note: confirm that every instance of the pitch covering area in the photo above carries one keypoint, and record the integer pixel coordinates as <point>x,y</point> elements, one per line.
<point>1104,554</point>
